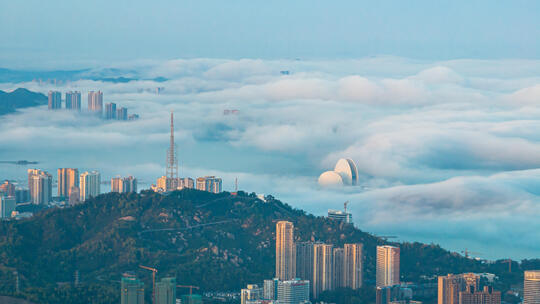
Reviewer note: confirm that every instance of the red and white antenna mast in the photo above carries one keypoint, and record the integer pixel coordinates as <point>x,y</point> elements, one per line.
<point>172,160</point>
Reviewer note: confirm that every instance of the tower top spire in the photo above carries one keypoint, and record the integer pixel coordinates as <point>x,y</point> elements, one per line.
<point>172,132</point>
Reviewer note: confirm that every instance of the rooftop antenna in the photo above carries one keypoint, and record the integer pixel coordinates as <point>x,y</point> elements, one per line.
<point>236,184</point>
<point>345,205</point>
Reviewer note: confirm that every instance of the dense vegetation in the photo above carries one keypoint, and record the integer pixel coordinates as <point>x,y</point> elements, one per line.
<point>215,241</point>
<point>20,98</point>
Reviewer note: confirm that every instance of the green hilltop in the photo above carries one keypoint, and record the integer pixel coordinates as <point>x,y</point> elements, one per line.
<point>215,241</point>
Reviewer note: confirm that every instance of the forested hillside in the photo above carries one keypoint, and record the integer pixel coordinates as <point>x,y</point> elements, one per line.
<point>216,241</point>
<point>20,98</point>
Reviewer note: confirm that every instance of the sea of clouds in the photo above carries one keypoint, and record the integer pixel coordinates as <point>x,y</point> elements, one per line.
<point>448,152</point>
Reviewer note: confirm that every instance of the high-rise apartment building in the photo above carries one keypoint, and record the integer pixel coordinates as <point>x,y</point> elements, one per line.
<point>353,268</point>
<point>116,184</point>
<point>166,291</point>
<point>451,285</point>
<point>322,269</point>
<point>448,289</point>
<point>7,189</point>
<point>293,292</point>
<point>7,206</point>
<point>55,100</point>
<point>251,293</point>
<point>124,184</point>
<point>129,184</point>
<point>122,113</point>
<point>531,287</point>
<point>110,110</point>
<point>40,186</point>
<point>472,296</point>
<point>89,185</point>
<point>304,260</point>
<point>338,268</point>
<point>73,100</point>
<point>209,183</point>
<point>387,265</point>
<point>131,291</point>
<point>95,102</point>
<point>285,251</point>
<point>67,179</point>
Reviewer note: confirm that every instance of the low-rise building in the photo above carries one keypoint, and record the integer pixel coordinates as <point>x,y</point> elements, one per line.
<point>293,292</point>
<point>250,293</point>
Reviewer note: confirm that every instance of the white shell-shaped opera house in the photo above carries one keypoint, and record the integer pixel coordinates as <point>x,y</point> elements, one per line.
<point>345,173</point>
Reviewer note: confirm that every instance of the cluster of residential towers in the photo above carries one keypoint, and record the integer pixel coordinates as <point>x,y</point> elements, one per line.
<point>309,268</point>
<point>305,269</point>
<point>95,105</point>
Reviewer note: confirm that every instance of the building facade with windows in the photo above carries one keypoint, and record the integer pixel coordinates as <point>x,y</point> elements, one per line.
<point>90,185</point>
<point>131,291</point>
<point>95,102</point>
<point>387,266</point>
<point>322,269</point>
<point>73,100</point>
<point>531,287</point>
<point>40,186</point>
<point>7,206</point>
<point>55,100</point>
<point>285,251</point>
<point>67,179</point>
<point>209,183</point>
<point>293,292</point>
<point>353,269</point>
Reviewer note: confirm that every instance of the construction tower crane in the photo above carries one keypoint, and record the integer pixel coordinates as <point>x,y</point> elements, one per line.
<point>509,261</point>
<point>154,271</point>
<point>190,288</point>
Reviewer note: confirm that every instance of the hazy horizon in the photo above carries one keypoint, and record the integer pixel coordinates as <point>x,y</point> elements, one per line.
<point>70,34</point>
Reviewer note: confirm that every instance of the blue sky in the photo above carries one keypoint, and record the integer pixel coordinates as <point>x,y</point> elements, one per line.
<point>44,33</point>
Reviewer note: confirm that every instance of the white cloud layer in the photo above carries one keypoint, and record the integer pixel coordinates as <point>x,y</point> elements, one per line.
<point>448,152</point>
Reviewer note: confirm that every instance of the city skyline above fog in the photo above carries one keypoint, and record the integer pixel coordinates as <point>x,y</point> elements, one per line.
<point>450,146</point>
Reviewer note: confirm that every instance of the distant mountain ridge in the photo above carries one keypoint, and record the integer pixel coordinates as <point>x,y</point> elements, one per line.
<point>113,75</point>
<point>20,98</point>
